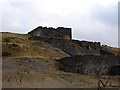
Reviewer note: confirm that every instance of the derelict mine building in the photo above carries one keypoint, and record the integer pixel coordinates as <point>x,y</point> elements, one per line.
<point>59,32</point>
<point>62,38</point>
<point>84,55</point>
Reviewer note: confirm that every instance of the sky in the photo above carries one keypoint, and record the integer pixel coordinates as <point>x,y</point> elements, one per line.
<point>91,20</point>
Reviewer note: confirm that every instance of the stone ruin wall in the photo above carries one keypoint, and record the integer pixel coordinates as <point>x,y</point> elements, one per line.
<point>87,48</point>
<point>62,38</point>
<point>59,32</point>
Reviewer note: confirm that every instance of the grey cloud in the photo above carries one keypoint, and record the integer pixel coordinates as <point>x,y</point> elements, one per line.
<point>108,15</point>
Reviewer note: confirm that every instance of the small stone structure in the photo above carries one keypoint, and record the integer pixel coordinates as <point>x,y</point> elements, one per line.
<point>59,32</point>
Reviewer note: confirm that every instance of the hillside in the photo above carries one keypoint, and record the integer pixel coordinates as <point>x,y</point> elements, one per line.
<point>110,50</point>
<point>30,63</point>
<point>18,45</point>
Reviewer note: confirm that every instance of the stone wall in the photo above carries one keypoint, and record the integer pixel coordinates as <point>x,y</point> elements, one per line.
<point>87,48</point>
<point>90,65</point>
<point>59,32</point>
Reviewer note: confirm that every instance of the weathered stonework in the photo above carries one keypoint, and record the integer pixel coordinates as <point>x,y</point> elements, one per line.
<point>62,38</point>
<point>72,47</point>
<point>86,57</point>
<point>59,32</point>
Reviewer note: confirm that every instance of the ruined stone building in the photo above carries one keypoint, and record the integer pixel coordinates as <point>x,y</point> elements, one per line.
<point>86,56</point>
<point>62,38</point>
<point>59,32</point>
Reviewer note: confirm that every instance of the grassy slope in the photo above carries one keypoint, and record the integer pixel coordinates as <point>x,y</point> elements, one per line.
<point>113,50</point>
<point>18,45</point>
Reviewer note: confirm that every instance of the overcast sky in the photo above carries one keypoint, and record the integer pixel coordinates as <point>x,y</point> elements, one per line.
<point>91,20</point>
